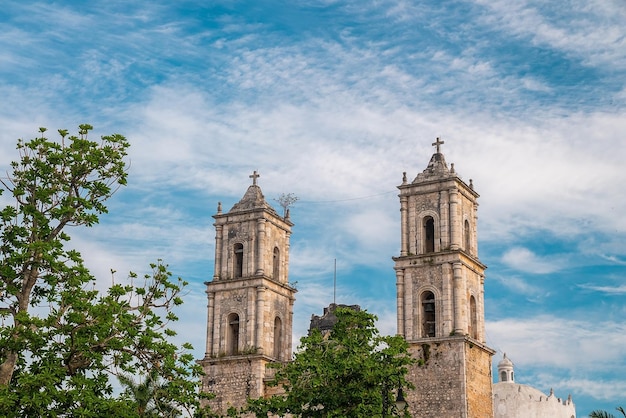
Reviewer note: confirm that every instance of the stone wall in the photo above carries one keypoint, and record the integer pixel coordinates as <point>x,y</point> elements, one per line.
<point>451,379</point>
<point>233,380</point>
<point>479,380</point>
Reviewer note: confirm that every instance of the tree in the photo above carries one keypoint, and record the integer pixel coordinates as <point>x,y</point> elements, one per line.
<point>353,372</point>
<point>149,395</point>
<point>286,200</point>
<point>61,339</point>
<point>603,414</point>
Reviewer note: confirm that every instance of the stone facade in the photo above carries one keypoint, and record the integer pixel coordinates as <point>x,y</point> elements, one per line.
<point>440,295</point>
<point>440,298</point>
<point>250,301</point>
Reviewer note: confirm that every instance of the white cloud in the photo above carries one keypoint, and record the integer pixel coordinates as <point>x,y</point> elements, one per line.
<point>518,285</point>
<point>525,260</point>
<point>602,389</point>
<point>578,346</point>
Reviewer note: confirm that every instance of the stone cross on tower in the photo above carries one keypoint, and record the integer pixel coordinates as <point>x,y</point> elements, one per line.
<point>256,175</point>
<point>437,144</point>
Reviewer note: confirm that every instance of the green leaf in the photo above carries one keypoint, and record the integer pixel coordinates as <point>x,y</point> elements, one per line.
<point>64,341</point>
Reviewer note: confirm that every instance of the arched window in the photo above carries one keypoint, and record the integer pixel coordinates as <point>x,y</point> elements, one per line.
<point>473,331</point>
<point>278,337</point>
<point>276,264</point>
<point>429,234</point>
<point>428,314</point>
<point>238,260</point>
<point>232,334</point>
<point>503,376</point>
<point>466,235</point>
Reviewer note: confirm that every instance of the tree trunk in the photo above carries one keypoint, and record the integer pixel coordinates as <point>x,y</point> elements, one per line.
<point>7,367</point>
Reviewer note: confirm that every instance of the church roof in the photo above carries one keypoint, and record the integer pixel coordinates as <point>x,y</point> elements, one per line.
<point>503,389</point>
<point>252,199</point>
<point>437,167</point>
<point>326,322</point>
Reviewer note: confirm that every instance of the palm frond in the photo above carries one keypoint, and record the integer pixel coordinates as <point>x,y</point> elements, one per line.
<point>600,414</point>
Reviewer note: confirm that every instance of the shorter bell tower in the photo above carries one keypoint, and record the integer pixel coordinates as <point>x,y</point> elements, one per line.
<point>250,301</point>
<point>440,294</point>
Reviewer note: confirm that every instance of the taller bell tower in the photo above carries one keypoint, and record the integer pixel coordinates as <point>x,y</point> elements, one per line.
<point>440,294</point>
<point>250,301</point>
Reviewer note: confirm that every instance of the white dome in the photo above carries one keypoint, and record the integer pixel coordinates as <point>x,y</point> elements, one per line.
<point>505,362</point>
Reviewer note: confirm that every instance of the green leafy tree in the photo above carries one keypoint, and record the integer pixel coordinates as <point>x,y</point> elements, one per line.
<point>149,395</point>
<point>603,414</point>
<point>352,372</point>
<point>61,340</point>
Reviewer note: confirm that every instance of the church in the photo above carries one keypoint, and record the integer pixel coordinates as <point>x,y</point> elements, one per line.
<point>439,293</point>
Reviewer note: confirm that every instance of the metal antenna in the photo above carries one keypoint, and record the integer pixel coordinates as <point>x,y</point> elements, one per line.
<point>335,283</point>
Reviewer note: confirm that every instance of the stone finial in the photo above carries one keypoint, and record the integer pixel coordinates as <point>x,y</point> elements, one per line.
<point>219,208</point>
<point>404,180</point>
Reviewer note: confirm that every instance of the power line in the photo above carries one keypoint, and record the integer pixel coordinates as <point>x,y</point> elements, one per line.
<point>348,199</point>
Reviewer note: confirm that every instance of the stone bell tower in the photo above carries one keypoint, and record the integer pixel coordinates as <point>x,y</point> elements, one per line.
<point>250,301</point>
<point>440,294</point>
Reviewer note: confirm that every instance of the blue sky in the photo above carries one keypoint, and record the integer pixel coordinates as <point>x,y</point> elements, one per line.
<point>333,101</point>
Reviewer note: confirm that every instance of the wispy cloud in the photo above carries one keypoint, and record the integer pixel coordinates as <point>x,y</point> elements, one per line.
<point>609,290</point>
<point>575,31</point>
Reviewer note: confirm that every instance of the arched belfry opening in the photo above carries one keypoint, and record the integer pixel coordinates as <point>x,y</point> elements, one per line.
<point>429,316</point>
<point>429,234</point>
<point>232,334</point>
<point>466,236</point>
<point>278,338</point>
<point>473,331</point>
<point>276,264</point>
<point>238,260</point>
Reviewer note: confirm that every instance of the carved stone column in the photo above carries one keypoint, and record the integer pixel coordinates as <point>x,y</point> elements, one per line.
<point>260,250</point>
<point>260,305</point>
<point>400,301</point>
